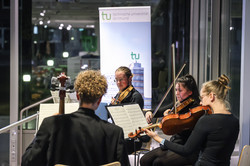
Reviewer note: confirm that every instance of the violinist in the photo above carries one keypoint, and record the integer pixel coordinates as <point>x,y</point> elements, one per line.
<point>127,95</point>
<point>80,138</point>
<point>214,135</point>
<point>185,89</point>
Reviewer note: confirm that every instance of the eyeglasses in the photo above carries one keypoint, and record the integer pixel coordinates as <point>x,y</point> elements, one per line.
<point>201,97</point>
<point>119,80</point>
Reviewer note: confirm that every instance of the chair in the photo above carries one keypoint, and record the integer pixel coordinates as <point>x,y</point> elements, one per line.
<point>244,159</point>
<point>116,163</point>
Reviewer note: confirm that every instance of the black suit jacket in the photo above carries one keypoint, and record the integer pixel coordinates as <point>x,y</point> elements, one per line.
<point>77,139</point>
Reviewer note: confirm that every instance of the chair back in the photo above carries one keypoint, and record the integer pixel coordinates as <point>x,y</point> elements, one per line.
<point>116,163</point>
<point>244,159</point>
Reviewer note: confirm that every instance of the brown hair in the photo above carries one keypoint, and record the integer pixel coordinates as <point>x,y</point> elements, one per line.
<point>126,70</point>
<point>90,85</point>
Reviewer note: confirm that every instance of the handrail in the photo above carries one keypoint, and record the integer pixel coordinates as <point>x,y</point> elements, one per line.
<point>21,129</point>
<point>20,122</point>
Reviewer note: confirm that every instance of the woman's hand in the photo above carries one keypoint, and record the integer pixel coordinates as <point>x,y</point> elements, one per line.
<point>166,112</point>
<point>153,135</point>
<point>149,116</point>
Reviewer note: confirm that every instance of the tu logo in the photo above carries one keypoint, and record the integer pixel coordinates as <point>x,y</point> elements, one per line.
<point>134,56</point>
<point>105,16</point>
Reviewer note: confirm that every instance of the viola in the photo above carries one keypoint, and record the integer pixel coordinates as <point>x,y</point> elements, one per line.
<point>175,123</point>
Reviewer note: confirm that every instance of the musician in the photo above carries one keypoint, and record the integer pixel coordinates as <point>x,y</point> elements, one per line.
<point>128,94</point>
<point>214,134</point>
<point>79,138</point>
<point>185,90</point>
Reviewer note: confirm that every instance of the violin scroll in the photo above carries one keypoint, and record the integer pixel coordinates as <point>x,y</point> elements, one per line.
<point>142,130</point>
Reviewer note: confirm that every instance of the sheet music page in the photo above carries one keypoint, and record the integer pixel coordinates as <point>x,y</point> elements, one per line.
<point>135,113</point>
<point>47,110</point>
<point>121,118</point>
<point>128,117</point>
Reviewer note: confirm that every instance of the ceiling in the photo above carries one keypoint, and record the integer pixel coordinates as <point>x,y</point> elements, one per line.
<point>77,13</point>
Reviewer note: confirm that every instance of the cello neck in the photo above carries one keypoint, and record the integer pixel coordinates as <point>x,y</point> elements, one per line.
<point>62,93</point>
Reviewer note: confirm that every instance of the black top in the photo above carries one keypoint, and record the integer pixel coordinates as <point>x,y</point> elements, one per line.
<point>215,136</point>
<point>133,97</point>
<point>79,138</point>
<point>182,137</point>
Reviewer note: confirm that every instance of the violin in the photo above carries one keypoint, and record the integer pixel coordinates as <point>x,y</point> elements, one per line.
<point>181,105</point>
<point>176,123</point>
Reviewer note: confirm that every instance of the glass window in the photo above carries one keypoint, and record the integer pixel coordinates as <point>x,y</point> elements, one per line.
<point>235,54</point>
<point>65,37</point>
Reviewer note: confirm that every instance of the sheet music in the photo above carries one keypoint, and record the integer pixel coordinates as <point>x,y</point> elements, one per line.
<point>136,115</point>
<point>47,110</point>
<point>128,117</point>
<point>121,118</point>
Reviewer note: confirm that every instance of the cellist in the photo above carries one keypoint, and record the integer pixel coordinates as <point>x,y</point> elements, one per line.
<point>81,137</point>
<point>185,89</point>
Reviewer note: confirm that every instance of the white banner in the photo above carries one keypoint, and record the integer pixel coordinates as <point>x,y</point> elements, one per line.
<point>125,40</point>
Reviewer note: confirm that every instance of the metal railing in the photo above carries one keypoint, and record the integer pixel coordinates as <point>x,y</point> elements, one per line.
<point>21,129</point>
<point>22,121</point>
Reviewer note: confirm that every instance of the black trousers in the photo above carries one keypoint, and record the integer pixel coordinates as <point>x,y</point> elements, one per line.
<point>159,157</point>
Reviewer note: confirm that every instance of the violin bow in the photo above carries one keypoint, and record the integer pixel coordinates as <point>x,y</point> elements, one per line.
<point>165,95</point>
<point>173,68</point>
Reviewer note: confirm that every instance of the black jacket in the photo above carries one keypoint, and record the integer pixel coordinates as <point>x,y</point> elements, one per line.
<point>79,138</point>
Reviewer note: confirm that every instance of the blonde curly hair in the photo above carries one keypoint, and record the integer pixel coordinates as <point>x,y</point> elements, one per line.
<point>90,86</point>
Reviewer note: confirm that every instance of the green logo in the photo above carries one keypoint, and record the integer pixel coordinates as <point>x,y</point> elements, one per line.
<point>134,56</point>
<point>105,16</point>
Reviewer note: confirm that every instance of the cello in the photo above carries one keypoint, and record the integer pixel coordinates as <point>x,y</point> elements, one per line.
<point>62,79</point>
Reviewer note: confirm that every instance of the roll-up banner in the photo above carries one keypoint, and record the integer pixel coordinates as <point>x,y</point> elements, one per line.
<point>125,40</point>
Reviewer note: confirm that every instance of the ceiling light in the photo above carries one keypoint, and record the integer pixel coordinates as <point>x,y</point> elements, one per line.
<point>65,54</point>
<point>90,26</point>
<point>85,66</point>
<point>35,30</point>
<point>69,27</point>
<point>41,22</point>
<point>26,78</point>
<point>50,63</point>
